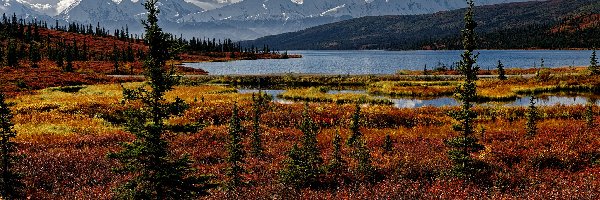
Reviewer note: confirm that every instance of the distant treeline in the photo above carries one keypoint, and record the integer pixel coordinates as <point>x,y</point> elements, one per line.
<point>31,41</point>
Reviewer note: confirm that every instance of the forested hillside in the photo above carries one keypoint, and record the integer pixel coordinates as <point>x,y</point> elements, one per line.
<point>548,24</point>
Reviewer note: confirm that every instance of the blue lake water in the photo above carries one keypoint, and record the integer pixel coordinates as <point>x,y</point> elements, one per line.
<point>390,62</point>
<point>544,100</point>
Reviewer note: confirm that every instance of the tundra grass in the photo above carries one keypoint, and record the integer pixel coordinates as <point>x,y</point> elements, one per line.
<point>319,94</point>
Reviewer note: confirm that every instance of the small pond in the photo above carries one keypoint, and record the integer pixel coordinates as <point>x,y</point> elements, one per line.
<point>544,100</point>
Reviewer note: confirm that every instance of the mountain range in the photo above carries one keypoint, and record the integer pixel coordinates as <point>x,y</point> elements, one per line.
<point>545,24</point>
<point>235,19</point>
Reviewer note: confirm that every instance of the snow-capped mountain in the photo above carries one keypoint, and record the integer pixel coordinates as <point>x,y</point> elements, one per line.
<point>93,11</point>
<point>237,19</point>
<point>249,10</point>
<point>22,9</point>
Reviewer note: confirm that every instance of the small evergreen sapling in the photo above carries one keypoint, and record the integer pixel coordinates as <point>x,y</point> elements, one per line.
<point>336,164</point>
<point>302,167</point>
<point>593,68</point>
<point>365,171</point>
<point>501,72</point>
<point>355,127</point>
<point>256,142</point>
<point>589,113</point>
<point>235,151</point>
<point>532,117</point>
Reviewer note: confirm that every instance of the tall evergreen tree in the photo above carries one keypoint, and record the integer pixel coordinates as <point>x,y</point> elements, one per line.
<point>69,59</point>
<point>59,58</point>
<point>501,72</point>
<point>34,55</point>
<point>235,150</point>
<point>593,68</point>
<point>12,56</point>
<point>148,160</point>
<point>464,145</point>
<point>115,58</point>
<point>11,185</point>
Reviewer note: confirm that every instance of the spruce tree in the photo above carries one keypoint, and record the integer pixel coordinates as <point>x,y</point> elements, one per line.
<point>593,68</point>
<point>365,171</point>
<point>115,58</point>
<point>589,113</point>
<point>68,59</point>
<point>337,163</point>
<point>12,57</point>
<point>465,144</point>
<point>302,167</point>
<point>309,141</point>
<point>11,185</point>
<point>34,55</point>
<point>532,116</point>
<point>256,143</point>
<point>154,172</point>
<point>501,72</point>
<point>59,58</point>
<point>355,126</point>
<point>235,150</point>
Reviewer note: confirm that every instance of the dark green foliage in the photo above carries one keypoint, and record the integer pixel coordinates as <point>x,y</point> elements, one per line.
<point>10,183</point>
<point>59,59</point>
<point>256,142</point>
<point>12,56</point>
<point>464,145</point>
<point>302,167</point>
<point>148,160</point>
<point>355,127</point>
<point>532,116</point>
<point>34,55</point>
<point>235,151</point>
<point>116,60</point>
<point>589,113</point>
<point>593,68</point>
<point>336,164</point>
<point>365,171</point>
<point>69,59</point>
<point>501,72</point>
<point>388,144</point>
<point>309,138</point>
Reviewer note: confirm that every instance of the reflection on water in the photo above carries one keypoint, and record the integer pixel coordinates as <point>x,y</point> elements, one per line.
<point>548,100</point>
